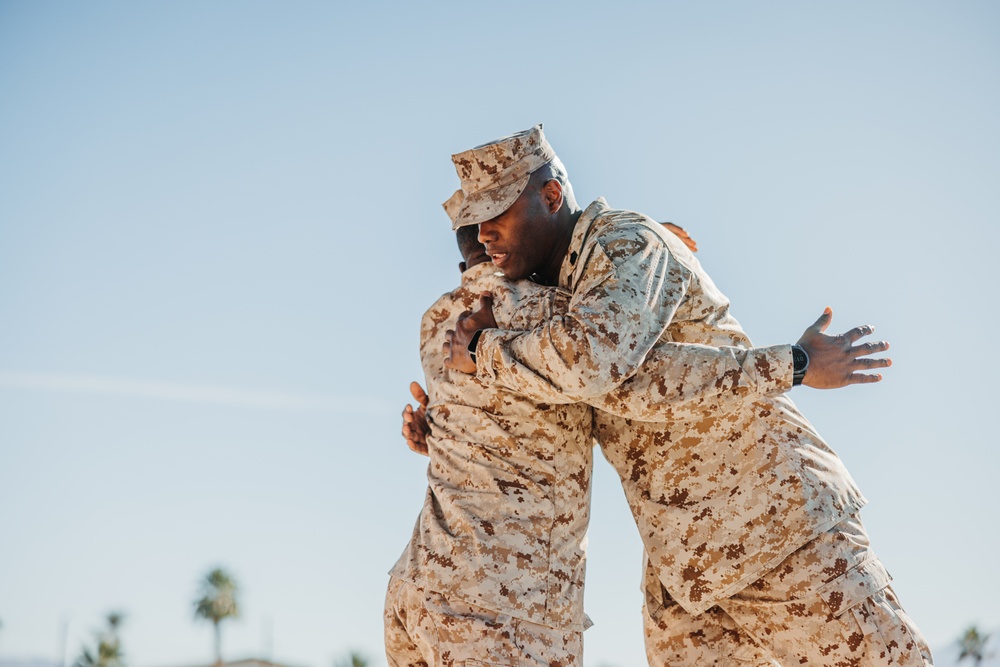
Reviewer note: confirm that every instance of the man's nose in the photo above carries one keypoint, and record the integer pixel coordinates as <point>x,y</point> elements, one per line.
<point>487,232</point>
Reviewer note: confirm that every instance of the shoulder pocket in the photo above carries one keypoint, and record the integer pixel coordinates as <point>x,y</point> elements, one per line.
<point>855,586</point>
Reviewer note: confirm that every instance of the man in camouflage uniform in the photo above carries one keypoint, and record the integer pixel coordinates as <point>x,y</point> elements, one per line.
<point>493,573</point>
<point>494,569</point>
<point>748,518</point>
<point>680,401</point>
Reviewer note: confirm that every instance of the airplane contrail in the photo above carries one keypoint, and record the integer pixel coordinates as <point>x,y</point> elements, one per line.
<point>169,391</point>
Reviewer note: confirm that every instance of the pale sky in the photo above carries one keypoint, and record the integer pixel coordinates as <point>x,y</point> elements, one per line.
<point>220,223</point>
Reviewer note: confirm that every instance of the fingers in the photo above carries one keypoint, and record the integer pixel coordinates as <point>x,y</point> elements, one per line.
<point>824,320</point>
<point>418,393</point>
<point>869,348</point>
<point>679,232</point>
<point>872,363</point>
<point>449,336</point>
<point>418,445</point>
<point>407,417</point>
<point>414,424</point>
<point>863,378</point>
<point>414,431</point>
<point>411,426</point>
<point>856,377</point>
<point>857,333</point>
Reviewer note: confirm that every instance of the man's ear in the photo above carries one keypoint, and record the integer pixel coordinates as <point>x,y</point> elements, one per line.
<point>461,267</point>
<point>552,192</point>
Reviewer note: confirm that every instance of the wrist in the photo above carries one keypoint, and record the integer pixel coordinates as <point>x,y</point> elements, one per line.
<point>800,364</point>
<point>473,342</point>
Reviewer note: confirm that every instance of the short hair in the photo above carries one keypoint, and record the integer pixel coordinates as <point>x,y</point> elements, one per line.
<point>554,170</point>
<point>468,240</point>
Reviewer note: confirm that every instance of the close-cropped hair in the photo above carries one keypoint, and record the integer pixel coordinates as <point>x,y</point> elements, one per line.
<point>468,239</point>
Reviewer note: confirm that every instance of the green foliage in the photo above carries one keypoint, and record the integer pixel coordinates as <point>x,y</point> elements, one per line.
<point>973,645</point>
<point>218,600</point>
<point>108,652</point>
<point>218,597</point>
<point>353,659</point>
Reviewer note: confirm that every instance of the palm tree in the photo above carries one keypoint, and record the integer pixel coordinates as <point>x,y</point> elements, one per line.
<point>973,645</point>
<point>353,660</point>
<point>109,648</point>
<point>217,601</point>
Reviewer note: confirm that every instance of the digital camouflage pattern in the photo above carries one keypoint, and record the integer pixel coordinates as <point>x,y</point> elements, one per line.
<point>507,505</point>
<point>427,629</point>
<point>720,496</point>
<point>494,175</point>
<point>827,604</point>
<point>448,554</point>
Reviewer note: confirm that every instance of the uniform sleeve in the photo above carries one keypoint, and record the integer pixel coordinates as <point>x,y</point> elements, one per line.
<point>683,381</point>
<point>605,350</point>
<point>625,299</point>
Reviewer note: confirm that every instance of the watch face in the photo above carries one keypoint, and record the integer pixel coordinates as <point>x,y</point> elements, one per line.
<point>799,359</point>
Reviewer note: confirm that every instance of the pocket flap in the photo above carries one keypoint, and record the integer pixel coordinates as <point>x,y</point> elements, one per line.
<point>857,584</point>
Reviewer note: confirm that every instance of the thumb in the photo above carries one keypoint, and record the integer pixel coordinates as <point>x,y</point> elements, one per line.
<point>486,301</point>
<point>418,393</point>
<point>824,320</point>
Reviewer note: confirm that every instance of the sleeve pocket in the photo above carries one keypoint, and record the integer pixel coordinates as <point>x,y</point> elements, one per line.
<point>855,586</point>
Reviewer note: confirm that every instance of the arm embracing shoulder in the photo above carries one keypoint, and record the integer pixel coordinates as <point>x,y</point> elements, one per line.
<point>623,303</point>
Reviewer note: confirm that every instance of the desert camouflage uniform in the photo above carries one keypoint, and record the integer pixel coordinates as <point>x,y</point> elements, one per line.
<point>431,561</point>
<point>720,497</point>
<point>834,578</point>
<point>500,538</point>
<point>424,628</point>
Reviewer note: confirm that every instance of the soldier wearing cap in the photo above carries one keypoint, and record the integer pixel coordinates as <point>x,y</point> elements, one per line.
<point>499,540</point>
<point>749,519</point>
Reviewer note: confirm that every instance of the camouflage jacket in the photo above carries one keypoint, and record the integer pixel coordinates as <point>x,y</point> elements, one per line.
<point>505,516</point>
<point>480,534</point>
<point>721,492</point>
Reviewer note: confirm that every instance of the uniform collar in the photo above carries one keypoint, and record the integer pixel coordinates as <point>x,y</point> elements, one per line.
<point>477,272</point>
<point>569,272</point>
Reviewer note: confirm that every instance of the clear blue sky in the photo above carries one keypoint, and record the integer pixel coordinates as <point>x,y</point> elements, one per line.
<point>220,223</point>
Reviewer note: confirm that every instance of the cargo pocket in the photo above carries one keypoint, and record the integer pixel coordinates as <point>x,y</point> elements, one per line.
<point>854,587</point>
<point>864,616</point>
<point>851,610</point>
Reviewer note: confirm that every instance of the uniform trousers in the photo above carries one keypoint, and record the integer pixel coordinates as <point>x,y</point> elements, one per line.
<point>427,629</point>
<point>828,604</point>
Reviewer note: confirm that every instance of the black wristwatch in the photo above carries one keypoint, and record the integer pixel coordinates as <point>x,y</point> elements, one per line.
<point>473,343</point>
<point>800,364</point>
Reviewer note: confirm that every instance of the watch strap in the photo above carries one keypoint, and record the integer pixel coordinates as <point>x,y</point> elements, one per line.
<point>800,364</point>
<point>472,345</point>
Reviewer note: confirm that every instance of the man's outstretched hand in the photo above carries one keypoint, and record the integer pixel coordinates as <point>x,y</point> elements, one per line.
<point>415,428</point>
<point>456,346</point>
<point>835,361</point>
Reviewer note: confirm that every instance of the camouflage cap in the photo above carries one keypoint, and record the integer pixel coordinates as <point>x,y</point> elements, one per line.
<point>453,206</point>
<point>494,174</point>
